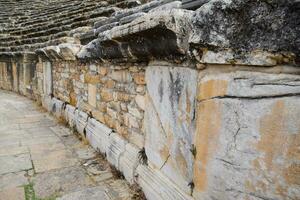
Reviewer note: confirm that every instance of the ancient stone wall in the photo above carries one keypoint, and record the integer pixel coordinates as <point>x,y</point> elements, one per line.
<point>191,100</point>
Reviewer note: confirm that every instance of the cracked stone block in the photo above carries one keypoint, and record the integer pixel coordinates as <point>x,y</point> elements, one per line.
<point>170,121</point>
<point>15,163</point>
<point>246,148</point>
<point>244,84</point>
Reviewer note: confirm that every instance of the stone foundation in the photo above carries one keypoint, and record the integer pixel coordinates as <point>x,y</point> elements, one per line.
<point>178,106</point>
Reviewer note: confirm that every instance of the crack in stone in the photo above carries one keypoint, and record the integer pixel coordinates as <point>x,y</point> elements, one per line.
<point>165,162</point>
<point>252,97</point>
<point>157,115</point>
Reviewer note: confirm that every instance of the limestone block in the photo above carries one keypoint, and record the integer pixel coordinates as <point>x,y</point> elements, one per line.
<point>57,107</point>
<point>156,186</point>
<point>246,148</point>
<point>70,115</point>
<point>106,95</point>
<point>98,135</point>
<point>68,51</point>
<point>164,35</point>
<point>47,103</point>
<point>81,122</point>
<point>140,101</point>
<point>129,162</point>
<point>92,94</point>
<point>91,78</point>
<point>170,121</point>
<point>89,51</point>
<point>115,149</point>
<point>122,76</point>
<point>248,85</point>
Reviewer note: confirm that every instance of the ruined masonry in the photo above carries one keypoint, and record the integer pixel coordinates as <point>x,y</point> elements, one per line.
<point>188,99</point>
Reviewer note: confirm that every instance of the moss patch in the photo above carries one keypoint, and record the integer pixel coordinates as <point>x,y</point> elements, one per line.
<point>30,194</point>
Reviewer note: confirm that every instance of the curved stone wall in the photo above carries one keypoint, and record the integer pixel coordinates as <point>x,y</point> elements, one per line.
<point>191,99</point>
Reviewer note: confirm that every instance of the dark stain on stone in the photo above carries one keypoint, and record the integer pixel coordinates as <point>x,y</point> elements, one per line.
<point>160,90</point>
<point>54,108</point>
<point>175,89</point>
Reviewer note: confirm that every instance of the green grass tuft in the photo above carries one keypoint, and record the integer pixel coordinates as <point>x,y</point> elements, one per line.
<point>30,193</point>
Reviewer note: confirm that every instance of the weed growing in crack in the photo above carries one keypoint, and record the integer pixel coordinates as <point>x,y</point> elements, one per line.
<point>143,159</point>
<point>30,193</point>
<point>117,174</point>
<point>62,121</point>
<point>138,193</point>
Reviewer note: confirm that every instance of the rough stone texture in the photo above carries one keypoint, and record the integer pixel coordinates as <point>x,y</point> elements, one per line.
<point>248,25</point>
<point>60,181</point>
<point>189,104</point>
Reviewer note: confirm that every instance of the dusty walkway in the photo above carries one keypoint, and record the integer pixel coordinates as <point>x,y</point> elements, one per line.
<point>40,159</point>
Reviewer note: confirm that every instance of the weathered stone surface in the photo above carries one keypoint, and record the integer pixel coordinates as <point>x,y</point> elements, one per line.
<point>115,149</point>
<point>14,193</point>
<point>168,23</point>
<point>92,90</point>
<point>98,135</point>
<point>11,180</point>
<point>156,186</point>
<point>245,26</point>
<point>96,193</point>
<point>170,107</point>
<point>54,160</point>
<point>168,6</point>
<point>69,51</point>
<point>249,85</point>
<point>81,122</point>
<point>15,163</point>
<point>193,4</point>
<point>129,162</point>
<point>60,181</point>
<point>243,145</point>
